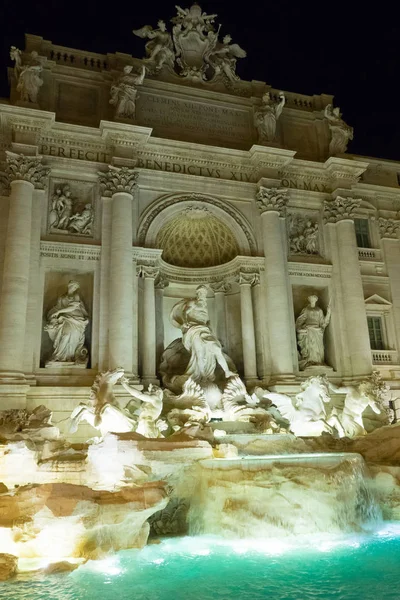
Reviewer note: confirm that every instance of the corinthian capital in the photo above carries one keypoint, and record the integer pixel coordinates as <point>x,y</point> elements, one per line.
<point>340,209</point>
<point>26,168</point>
<point>388,228</point>
<point>272,199</point>
<point>148,272</point>
<point>248,278</point>
<point>117,179</point>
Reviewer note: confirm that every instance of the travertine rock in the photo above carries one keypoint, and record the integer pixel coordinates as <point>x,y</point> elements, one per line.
<point>8,566</point>
<point>58,521</point>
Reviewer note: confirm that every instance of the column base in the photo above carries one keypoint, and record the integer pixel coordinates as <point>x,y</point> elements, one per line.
<point>252,382</point>
<point>13,395</point>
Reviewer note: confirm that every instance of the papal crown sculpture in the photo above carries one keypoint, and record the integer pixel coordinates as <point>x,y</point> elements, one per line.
<point>193,49</point>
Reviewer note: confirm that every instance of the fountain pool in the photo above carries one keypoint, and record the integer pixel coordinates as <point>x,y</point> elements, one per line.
<point>322,567</point>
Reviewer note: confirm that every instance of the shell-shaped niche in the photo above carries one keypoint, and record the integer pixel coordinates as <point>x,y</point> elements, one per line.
<point>195,239</point>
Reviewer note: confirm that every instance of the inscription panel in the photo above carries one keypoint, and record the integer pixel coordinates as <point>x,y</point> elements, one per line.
<point>193,119</point>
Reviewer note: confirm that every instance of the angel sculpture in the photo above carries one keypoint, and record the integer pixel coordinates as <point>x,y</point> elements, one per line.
<point>341,132</point>
<point>159,48</point>
<point>27,76</point>
<point>223,58</point>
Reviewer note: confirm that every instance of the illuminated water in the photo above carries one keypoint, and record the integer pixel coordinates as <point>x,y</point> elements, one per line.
<point>205,568</point>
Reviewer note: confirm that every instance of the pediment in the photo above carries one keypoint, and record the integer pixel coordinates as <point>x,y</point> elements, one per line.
<point>376,299</point>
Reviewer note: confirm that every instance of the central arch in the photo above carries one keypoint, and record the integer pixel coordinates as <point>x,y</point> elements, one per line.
<point>165,209</point>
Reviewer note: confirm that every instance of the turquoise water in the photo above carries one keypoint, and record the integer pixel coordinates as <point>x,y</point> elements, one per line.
<point>205,568</point>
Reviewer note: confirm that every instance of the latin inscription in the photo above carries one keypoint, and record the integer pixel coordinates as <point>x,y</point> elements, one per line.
<point>206,120</point>
<point>71,152</point>
<point>71,256</point>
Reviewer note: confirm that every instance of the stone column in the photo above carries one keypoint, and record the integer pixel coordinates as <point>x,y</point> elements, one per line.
<point>219,288</point>
<point>25,174</point>
<point>339,213</point>
<point>149,275</point>
<point>160,284</point>
<point>272,204</point>
<point>389,231</point>
<point>246,280</point>
<point>120,185</point>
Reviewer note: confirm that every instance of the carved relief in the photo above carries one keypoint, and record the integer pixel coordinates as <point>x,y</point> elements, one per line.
<point>272,199</point>
<point>388,228</point>
<point>70,213</point>
<point>302,234</point>
<point>340,209</point>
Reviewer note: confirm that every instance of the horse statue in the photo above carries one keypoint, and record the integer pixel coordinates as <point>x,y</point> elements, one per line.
<point>103,412</point>
<point>370,392</point>
<point>238,405</point>
<point>307,415</point>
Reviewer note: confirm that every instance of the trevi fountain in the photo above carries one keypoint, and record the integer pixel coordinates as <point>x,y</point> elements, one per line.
<point>199,331</point>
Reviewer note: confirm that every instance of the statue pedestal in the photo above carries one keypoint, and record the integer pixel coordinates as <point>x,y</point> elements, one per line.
<point>53,364</point>
<point>317,370</point>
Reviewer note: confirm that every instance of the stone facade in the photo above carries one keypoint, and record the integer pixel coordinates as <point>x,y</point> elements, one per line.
<point>185,192</point>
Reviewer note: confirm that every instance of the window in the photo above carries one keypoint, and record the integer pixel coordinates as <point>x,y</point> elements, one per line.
<point>375,333</point>
<point>362,233</point>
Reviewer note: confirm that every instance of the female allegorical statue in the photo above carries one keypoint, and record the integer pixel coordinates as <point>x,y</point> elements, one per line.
<point>310,327</point>
<point>66,324</point>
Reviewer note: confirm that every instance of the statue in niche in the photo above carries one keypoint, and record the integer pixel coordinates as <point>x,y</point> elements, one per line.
<point>66,326</point>
<point>266,118</point>
<point>310,328</point>
<point>303,235</point>
<point>67,215</point>
<point>341,132</point>
<point>28,76</point>
<point>103,412</point>
<point>191,317</point>
<point>148,414</point>
<point>223,58</point>
<point>124,92</point>
<point>159,48</point>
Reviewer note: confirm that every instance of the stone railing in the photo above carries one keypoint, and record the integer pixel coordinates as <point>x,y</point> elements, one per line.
<point>382,357</point>
<point>66,56</point>
<point>369,254</point>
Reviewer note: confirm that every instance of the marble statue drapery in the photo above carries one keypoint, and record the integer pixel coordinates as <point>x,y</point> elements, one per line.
<point>67,322</point>
<point>310,328</point>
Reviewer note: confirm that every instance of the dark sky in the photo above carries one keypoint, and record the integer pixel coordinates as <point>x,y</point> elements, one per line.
<point>348,49</point>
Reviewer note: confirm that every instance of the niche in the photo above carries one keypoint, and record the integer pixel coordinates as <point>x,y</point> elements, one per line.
<point>56,286</point>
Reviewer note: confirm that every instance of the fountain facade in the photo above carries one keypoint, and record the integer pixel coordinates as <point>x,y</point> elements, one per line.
<point>193,335</point>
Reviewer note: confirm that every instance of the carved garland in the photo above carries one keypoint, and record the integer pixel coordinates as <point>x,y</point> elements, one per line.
<point>162,205</point>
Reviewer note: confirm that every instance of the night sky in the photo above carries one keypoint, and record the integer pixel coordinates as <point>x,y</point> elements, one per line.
<point>350,50</point>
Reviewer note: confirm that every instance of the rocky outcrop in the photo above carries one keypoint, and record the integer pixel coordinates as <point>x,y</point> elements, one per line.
<point>8,566</point>
<point>58,521</point>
